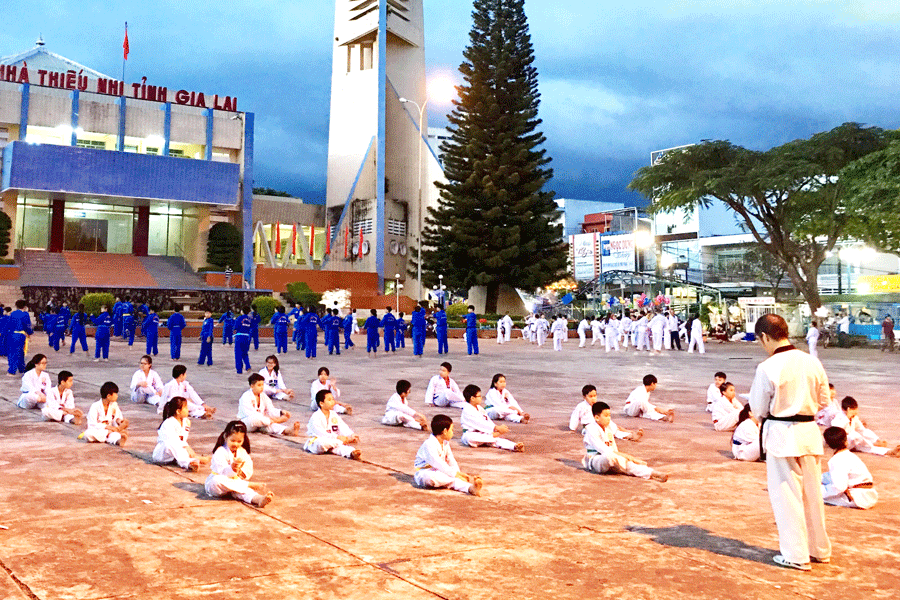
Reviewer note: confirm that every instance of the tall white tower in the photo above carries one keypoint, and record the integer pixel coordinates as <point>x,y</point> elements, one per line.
<point>374,144</point>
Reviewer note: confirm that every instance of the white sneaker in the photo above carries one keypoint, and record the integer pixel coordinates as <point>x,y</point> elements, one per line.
<point>782,561</point>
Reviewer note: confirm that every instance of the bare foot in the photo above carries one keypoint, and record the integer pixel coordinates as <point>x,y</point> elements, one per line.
<point>661,477</point>
<point>349,410</point>
<point>261,501</point>
<point>296,429</point>
<point>356,455</point>
<point>895,452</point>
<point>193,467</point>
<point>475,488</point>
<point>670,415</point>
<point>519,447</point>
<point>122,440</point>
<point>637,435</point>
<point>210,411</point>
<point>881,444</point>
<point>203,460</point>
<point>425,428</point>
<point>77,420</point>
<point>525,417</point>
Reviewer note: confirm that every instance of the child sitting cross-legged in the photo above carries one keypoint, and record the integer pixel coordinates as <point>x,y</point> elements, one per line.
<point>435,465</point>
<point>603,456</point>
<point>478,429</point>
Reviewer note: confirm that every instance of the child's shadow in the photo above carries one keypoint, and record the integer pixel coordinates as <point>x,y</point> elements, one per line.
<point>691,536</point>
<point>404,478</point>
<point>190,486</point>
<point>575,464</point>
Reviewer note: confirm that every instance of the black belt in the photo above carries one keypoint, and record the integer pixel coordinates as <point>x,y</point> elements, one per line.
<point>790,419</point>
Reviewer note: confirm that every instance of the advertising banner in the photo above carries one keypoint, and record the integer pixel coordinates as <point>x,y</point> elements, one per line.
<point>583,250</point>
<point>617,253</point>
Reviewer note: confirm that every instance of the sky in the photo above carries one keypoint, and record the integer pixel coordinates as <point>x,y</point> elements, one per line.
<point>617,80</point>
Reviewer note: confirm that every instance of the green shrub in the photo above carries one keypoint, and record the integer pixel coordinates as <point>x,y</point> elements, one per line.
<point>301,293</point>
<point>93,302</point>
<point>266,307</point>
<point>5,228</point>
<point>457,311</point>
<point>225,247</point>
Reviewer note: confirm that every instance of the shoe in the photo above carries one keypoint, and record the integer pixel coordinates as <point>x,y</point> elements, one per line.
<point>821,561</point>
<point>782,561</point>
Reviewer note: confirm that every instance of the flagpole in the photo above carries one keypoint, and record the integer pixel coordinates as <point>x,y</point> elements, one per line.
<point>125,49</point>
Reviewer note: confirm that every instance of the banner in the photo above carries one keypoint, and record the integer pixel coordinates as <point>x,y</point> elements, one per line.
<point>617,253</point>
<point>583,250</point>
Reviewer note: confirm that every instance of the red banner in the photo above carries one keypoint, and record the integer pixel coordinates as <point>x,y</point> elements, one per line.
<point>125,46</point>
<point>312,239</point>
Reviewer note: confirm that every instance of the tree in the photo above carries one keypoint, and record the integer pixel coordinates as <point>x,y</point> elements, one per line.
<point>494,223</point>
<point>790,198</point>
<point>873,186</point>
<point>762,265</point>
<point>225,246</point>
<point>5,228</point>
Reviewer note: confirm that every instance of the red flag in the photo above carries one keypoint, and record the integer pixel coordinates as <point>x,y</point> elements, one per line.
<point>346,240</point>
<point>277,238</point>
<point>360,239</point>
<point>312,239</point>
<point>125,43</point>
<point>328,240</point>
<point>294,240</point>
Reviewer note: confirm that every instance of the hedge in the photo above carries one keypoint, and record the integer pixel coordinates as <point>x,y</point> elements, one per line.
<point>266,307</point>
<point>93,302</point>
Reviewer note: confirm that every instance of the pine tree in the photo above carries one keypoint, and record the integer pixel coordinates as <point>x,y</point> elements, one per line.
<point>494,223</point>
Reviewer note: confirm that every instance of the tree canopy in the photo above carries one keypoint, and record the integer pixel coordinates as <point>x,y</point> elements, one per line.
<point>495,223</point>
<point>793,198</point>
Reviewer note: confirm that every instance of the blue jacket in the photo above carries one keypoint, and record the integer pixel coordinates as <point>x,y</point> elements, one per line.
<point>102,320</point>
<point>417,321</point>
<point>372,324</point>
<point>389,322</point>
<point>471,321</point>
<point>440,318</point>
<point>242,325</point>
<point>206,331</point>
<point>401,325</point>
<point>279,322</point>
<point>79,321</point>
<point>227,318</point>
<point>19,321</point>
<point>176,321</point>
<point>150,324</point>
<point>255,320</point>
<point>348,322</point>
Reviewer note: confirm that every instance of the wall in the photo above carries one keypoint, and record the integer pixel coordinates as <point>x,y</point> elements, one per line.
<point>363,286</point>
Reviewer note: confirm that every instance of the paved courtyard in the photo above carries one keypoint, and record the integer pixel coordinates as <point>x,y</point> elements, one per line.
<point>94,521</point>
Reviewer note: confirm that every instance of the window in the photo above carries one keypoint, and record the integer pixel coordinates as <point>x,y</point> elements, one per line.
<point>176,152</point>
<point>152,150</point>
<point>130,148</point>
<point>365,57</point>
<point>397,228</point>
<point>4,136</point>
<point>365,226</point>
<point>95,144</point>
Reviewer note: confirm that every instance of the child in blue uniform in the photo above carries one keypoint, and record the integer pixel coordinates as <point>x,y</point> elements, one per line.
<point>128,321</point>
<point>310,323</point>
<point>417,324</point>
<point>77,325</point>
<point>255,320</point>
<point>336,325</point>
<point>62,324</point>
<point>18,331</point>
<point>227,319</point>
<point>440,330</point>
<point>102,322</point>
<point>279,330</point>
<point>150,331</point>
<point>471,331</point>
<point>206,338</point>
<point>401,332</point>
<point>242,341</point>
<point>48,321</point>
<point>175,324</point>
<point>389,323</point>
<point>371,327</point>
<point>348,329</point>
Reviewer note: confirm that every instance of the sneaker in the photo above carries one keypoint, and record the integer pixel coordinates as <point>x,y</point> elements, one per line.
<point>782,561</point>
<point>821,561</point>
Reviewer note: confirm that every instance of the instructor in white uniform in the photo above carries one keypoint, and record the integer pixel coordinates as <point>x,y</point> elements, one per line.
<point>789,388</point>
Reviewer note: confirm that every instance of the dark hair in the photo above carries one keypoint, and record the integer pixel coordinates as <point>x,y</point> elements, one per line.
<point>171,407</point>
<point>725,386</point>
<point>254,378</point>
<point>34,360</point>
<point>744,414</point>
<point>280,308</point>
<point>447,366</point>
<point>374,312</point>
<point>20,304</point>
<point>835,437</point>
<point>440,424</point>
<point>319,372</point>
<point>721,374</point>
<point>233,427</point>
<point>320,396</point>
<point>246,310</point>
<point>470,390</point>
<point>63,376</point>
<point>148,358</point>
<point>849,402</point>
<point>598,407</point>
<point>773,326</point>
<point>588,389</point>
<point>80,307</point>
<point>496,378</point>
<point>830,386</point>
<point>650,379</point>
<point>275,358</point>
<point>388,308</point>
<point>403,386</point>
<point>178,371</point>
<point>177,308</point>
<point>471,307</point>
<point>108,388</point>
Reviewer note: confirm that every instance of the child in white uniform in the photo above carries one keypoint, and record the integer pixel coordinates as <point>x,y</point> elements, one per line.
<point>714,391</point>
<point>560,331</point>
<point>180,387</point>
<point>35,383</point>
<point>859,437</point>
<point>826,415</point>
<point>696,337</point>
<point>275,387</point>
<point>542,327</point>
<point>255,409</point>
<point>625,326</point>
<point>399,412</point>
<point>146,384</point>
<point>726,409</point>
<point>478,429</point>
<point>105,422</point>
<point>60,404</point>
<point>500,403</point>
<point>638,403</point>
<point>324,383</point>
<point>596,334</point>
<point>583,328</point>
<point>328,434</point>
<point>603,456</point>
<point>848,481</point>
<point>172,435</point>
<point>435,465</point>
<point>582,416</point>
<point>612,333</point>
<point>442,390</point>
<point>745,439</point>
<point>232,468</point>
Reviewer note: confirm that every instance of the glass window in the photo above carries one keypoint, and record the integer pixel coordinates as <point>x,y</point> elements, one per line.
<point>96,227</point>
<point>33,223</point>
<point>159,234</point>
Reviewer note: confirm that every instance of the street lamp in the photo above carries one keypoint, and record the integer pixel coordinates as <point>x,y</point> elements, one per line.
<point>442,288</point>
<point>397,289</point>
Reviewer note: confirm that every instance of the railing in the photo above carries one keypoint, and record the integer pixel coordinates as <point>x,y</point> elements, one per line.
<point>180,260</point>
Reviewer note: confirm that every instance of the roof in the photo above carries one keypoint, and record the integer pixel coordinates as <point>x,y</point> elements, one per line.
<point>41,58</point>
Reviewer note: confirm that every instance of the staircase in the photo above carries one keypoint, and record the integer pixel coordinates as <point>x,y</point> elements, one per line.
<point>45,268</point>
<point>96,269</point>
<point>169,273</point>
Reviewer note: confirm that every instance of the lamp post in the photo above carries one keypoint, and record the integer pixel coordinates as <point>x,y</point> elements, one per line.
<point>442,288</point>
<point>397,289</point>
<point>419,170</point>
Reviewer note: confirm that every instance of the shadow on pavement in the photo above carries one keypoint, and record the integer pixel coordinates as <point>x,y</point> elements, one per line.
<point>196,488</point>
<point>691,536</point>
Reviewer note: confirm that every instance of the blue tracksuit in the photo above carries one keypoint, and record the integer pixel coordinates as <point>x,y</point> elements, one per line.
<point>389,322</point>
<point>48,320</point>
<point>348,331</point>
<point>279,331</point>
<point>401,333</point>
<point>102,322</point>
<point>206,341</point>
<point>417,324</point>
<point>77,325</point>
<point>150,331</point>
<point>3,337</point>
<point>175,324</point>
<point>242,343</point>
<point>371,327</point>
<point>472,333</point>
<point>311,338</point>
<point>18,327</point>
<point>440,331</point>
<point>335,342</point>
<point>294,317</point>
<point>228,328</point>
<point>117,318</point>
<point>63,324</point>
<point>255,320</point>
<point>128,322</point>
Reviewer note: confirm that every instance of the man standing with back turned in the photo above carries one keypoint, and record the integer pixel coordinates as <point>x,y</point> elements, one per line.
<point>789,388</point>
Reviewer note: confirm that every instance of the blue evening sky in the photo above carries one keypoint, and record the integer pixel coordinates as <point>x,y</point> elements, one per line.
<point>617,79</point>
